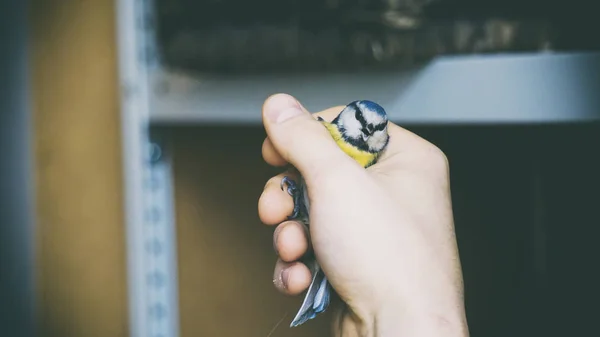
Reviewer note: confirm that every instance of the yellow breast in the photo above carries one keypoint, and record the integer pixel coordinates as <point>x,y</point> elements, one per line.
<point>364,158</point>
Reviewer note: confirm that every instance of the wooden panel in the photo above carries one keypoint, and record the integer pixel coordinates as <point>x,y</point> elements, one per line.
<point>226,255</point>
<point>81,252</point>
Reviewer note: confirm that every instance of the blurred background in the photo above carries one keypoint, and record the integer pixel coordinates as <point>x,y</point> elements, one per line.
<point>130,132</point>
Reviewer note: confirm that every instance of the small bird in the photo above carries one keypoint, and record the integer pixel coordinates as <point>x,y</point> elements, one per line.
<point>360,130</point>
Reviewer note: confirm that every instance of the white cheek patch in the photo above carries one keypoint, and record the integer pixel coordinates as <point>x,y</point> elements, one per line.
<point>350,124</point>
<point>377,140</point>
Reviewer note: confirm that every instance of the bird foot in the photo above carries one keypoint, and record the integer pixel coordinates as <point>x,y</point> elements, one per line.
<point>296,194</point>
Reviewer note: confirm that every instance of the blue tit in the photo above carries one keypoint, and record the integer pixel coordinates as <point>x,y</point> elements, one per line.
<point>360,130</point>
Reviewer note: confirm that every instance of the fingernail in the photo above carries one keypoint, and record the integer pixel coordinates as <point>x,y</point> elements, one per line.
<point>285,277</point>
<point>282,107</point>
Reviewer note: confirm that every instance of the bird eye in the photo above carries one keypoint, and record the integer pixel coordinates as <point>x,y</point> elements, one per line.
<point>380,127</point>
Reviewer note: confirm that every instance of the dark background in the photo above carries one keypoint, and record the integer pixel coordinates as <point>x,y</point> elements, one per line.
<point>230,36</point>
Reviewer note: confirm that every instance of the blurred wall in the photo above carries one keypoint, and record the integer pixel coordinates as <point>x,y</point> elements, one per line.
<point>16,193</point>
<point>226,256</point>
<point>80,237</point>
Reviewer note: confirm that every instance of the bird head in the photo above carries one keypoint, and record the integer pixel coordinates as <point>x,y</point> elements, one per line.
<point>364,123</point>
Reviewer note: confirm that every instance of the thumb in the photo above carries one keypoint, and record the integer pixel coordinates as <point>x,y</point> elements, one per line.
<point>298,137</point>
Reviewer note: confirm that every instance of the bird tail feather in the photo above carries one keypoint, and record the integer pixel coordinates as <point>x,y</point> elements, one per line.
<point>316,300</point>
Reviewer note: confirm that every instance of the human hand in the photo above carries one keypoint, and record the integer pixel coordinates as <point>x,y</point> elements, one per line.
<point>384,236</point>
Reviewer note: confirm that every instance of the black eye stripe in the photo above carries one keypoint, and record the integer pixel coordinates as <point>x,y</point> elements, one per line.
<point>380,127</point>
<point>360,118</point>
<point>367,127</point>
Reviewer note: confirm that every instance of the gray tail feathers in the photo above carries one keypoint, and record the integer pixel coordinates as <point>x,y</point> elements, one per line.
<point>316,300</point>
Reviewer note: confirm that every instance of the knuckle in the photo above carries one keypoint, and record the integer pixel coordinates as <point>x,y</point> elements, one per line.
<point>436,158</point>
<point>440,157</point>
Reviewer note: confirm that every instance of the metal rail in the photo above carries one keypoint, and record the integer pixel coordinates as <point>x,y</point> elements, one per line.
<point>152,271</point>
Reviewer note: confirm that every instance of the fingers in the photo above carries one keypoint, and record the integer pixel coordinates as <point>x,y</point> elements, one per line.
<point>291,278</point>
<point>298,138</point>
<point>275,204</point>
<point>270,154</point>
<point>290,241</point>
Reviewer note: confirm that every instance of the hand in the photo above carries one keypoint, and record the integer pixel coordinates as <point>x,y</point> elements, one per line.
<point>384,236</point>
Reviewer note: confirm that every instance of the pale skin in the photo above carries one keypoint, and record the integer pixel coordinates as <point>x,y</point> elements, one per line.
<point>384,236</point>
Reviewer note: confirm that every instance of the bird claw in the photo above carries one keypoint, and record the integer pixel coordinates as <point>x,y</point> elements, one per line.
<point>294,192</point>
<point>291,185</point>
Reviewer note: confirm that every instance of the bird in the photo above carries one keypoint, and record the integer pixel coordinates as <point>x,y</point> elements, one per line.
<point>361,131</point>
